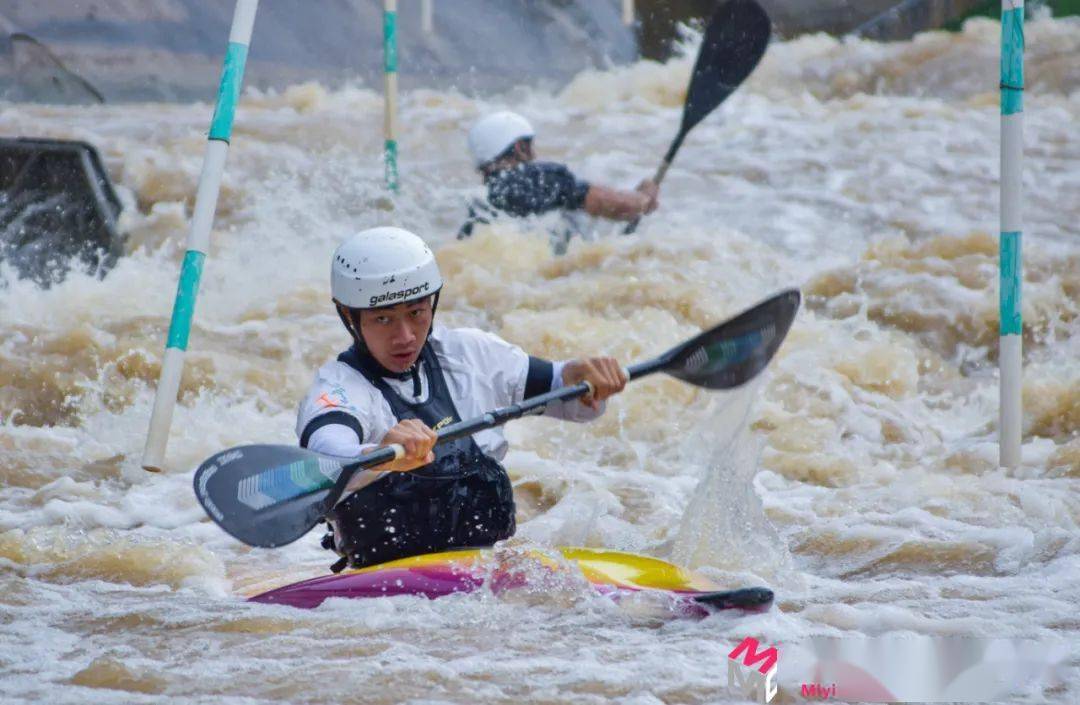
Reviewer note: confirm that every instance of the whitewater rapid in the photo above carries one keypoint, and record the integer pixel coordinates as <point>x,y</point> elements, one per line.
<point>863,173</point>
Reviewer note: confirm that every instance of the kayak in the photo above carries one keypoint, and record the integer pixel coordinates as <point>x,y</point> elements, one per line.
<point>614,574</point>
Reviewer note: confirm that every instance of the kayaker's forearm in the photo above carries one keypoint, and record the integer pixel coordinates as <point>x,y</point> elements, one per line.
<point>337,440</point>
<point>604,202</point>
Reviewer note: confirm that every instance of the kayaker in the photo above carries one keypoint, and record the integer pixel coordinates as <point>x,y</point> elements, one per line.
<point>402,379</point>
<point>501,145</point>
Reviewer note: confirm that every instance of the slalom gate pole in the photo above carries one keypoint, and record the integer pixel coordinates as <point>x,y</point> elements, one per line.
<point>198,241</point>
<point>390,111</point>
<point>1010,352</point>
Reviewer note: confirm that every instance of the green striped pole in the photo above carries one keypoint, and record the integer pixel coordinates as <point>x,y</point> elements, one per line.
<point>198,241</point>
<point>390,112</point>
<point>1010,353</point>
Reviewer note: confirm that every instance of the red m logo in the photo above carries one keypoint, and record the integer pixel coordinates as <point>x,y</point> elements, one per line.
<point>748,650</point>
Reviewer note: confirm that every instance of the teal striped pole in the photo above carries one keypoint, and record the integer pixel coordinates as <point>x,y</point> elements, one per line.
<point>390,112</point>
<point>1010,351</point>
<point>198,241</point>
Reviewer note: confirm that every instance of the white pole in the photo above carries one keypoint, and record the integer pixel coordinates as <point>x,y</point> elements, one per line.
<point>198,241</point>
<point>390,112</point>
<point>427,16</point>
<point>1010,352</point>
<point>628,12</point>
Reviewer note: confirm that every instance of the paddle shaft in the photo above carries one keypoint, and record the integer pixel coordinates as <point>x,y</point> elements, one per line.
<point>533,405</point>
<point>496,417</point>
<point>272,495</point>
<point>661,171</point>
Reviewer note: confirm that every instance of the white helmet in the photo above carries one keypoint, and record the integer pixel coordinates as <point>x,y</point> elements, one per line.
<point>495,133</point>
<point>382,267</point>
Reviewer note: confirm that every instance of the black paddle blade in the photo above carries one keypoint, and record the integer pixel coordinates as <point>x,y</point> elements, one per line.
<point>266,495</point>
<point>735,351</point>
<point>734,42</point>
<point>757,599</point>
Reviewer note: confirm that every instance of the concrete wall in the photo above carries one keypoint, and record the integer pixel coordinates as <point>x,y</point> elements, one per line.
<point>172,49</point>
<point>878,19</point>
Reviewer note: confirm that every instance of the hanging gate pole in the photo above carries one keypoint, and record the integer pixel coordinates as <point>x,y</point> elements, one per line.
<point>1010,353</point>
<point>198,241</point>
<point>390,112</point>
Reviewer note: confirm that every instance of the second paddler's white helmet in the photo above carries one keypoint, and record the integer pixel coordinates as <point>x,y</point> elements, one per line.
<point>495,133</point>
<point>381,267</point>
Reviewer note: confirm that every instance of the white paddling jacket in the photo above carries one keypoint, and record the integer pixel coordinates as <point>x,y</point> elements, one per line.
<point>344,414</point>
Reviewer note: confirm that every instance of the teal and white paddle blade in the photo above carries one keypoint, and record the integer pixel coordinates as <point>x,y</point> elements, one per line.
<point>266,495</point>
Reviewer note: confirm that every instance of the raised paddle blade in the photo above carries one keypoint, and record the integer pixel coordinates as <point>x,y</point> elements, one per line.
<point>734,42</point>
<point>732,353</point>
<point>737,350</point>
<point>266,495</point>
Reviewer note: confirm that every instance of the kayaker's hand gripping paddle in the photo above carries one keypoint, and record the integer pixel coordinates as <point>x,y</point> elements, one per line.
<point>271,495</point>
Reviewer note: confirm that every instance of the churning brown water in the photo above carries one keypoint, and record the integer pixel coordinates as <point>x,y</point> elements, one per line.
<point>864,173</point>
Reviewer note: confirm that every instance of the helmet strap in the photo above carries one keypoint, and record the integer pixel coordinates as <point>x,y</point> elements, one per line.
<point>351,325</point>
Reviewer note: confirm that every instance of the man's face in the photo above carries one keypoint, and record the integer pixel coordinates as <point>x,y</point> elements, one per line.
<point>395,334</point>
<point>523,150</point>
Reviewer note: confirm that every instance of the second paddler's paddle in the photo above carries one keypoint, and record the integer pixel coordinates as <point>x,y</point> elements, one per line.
<point>271,495</point>
<point>734,42</point>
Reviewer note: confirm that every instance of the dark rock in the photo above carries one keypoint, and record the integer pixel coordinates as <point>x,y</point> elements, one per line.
<point>57,208</point>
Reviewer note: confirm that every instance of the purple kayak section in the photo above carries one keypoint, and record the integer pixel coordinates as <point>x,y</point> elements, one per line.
<point>431,582</point>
